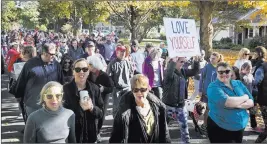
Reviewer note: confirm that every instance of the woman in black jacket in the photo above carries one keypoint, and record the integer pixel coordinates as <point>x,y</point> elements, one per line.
<point>86,112</point>
<point>257,60</point>
<point>104,82</point>
<point>141,117</point>
<point>175,91</point>
<point>66,63</point>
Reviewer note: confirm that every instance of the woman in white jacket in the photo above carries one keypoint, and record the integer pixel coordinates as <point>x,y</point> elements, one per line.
<point>243,57</point>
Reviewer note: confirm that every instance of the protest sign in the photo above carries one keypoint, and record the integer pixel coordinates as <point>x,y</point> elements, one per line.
<point>182,37</point>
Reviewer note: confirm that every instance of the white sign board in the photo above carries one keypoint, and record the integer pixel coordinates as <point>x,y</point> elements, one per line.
<point>17,68</point>
<point>182,37</point>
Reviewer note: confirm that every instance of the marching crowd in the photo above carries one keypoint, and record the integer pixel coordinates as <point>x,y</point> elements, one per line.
<point>147,87</point>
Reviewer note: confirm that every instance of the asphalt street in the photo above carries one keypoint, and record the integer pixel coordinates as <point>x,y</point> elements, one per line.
<point>12,123</point>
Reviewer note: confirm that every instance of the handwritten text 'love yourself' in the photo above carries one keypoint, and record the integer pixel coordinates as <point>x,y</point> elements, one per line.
<point>181,41</point>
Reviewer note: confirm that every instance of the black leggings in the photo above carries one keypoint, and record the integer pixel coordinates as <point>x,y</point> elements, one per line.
<point>217,134</point>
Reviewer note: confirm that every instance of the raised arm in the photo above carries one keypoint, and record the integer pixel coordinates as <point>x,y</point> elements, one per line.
<point>170,70</point>
<point>194,70</point>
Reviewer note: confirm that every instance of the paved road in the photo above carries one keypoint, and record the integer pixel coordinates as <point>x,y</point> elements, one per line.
<point>12,123</point>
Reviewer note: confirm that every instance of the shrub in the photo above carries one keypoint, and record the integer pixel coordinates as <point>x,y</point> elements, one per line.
<point>258,41</point>
<point>226,40</point>
<point>237,47</point>
<point>162,36</point>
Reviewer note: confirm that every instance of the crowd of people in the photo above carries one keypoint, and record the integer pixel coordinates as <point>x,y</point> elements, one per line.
<point>147,88</point>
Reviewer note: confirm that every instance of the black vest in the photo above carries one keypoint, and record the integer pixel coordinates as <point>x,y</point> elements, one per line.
<point>262,95</point>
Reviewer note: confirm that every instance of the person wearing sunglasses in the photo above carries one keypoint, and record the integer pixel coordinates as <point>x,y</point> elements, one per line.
<point>66,64</point>
<point>36,72</point>
<point>175,91</point>
<point>243,57</point>
<point>228,101</point>
<point>208,75</point>
<point>52,123</point>
<point>64,47</point>
<point>141,116</point>
<point>86,112</point>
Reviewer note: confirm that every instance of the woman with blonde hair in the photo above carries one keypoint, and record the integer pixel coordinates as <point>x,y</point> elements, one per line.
<point>141,117</point>
<point>53,123</point>
<point>208,75</point>
<point>243,57</point>
<point>153,69</point>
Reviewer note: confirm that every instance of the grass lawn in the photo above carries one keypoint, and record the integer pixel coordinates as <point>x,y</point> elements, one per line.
<point>156,42</point>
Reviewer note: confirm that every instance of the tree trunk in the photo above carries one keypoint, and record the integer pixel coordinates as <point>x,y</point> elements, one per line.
<point>206,27</point>
<point>133,23</point>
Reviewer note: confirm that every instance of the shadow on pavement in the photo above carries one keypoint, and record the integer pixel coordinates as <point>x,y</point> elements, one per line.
<point>12,122</point>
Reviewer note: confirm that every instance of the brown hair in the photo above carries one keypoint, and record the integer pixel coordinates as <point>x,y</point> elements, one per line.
<point>78,60</point>
<point>261,51</point>
<point>246,66</point>
<point>223,64</point>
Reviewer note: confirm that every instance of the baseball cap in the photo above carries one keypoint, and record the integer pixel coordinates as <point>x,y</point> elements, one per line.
<point>120,48</point>
<point>90,43</point>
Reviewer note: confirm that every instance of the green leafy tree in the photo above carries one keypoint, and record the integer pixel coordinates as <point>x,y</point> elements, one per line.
<point>9,14</point>
<point>29,14</point>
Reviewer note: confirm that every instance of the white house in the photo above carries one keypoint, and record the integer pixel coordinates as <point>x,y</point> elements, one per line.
<point>243,34</point>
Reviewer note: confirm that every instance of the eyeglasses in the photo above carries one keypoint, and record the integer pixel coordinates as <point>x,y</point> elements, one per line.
<point>50,96</point>
<point>247,54</point>
<point>84,69</point>
<point>226,72</point>
<point>51,54</point>
<point>136,90</point>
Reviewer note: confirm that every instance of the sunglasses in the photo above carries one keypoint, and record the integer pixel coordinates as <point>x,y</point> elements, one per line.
<point>50,96</point>
<point>136,90</point>
<point>226,72</point>
<point>84,69</point>
<point>246,54</point>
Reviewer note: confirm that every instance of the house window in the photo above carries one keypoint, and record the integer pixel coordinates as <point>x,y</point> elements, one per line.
<point>250,33</point>
<point>261,30</point>
<point>246,33</point>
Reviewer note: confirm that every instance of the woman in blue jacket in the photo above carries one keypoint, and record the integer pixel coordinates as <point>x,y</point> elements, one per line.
<point>228,101</point>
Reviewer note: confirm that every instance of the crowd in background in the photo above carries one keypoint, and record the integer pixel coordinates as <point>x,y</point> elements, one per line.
<point>147,88</point>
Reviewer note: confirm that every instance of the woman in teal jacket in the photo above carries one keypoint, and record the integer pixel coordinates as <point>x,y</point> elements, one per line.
<point>228,101</point>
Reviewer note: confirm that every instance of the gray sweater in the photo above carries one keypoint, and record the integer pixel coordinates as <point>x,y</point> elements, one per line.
<point>120,72</point>
<point>45,126</point>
